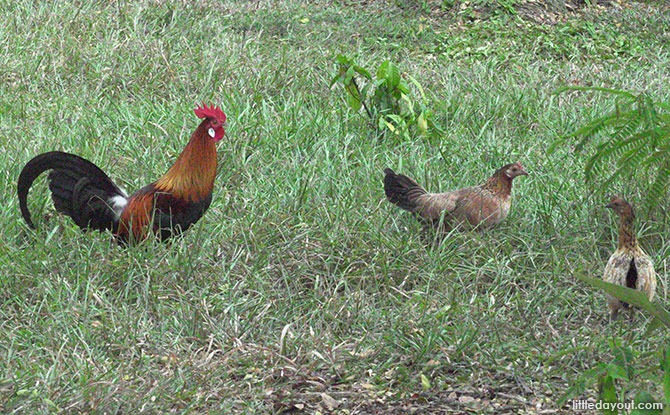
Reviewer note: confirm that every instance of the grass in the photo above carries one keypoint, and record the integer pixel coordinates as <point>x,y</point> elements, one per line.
<point>301,280</point>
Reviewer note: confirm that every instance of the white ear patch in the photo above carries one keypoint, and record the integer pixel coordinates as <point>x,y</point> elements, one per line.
<point>118,203</point>
<point>211,132</point>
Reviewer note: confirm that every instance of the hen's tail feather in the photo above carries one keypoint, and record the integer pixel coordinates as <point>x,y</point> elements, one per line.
<point>79,189</point>
<point>631,279</point>
<point>401,190</point>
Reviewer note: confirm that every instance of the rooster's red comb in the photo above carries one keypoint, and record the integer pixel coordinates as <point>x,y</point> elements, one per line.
<point>210,112</point>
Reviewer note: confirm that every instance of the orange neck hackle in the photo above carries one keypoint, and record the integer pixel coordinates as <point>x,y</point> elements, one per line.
<point>192,175</point>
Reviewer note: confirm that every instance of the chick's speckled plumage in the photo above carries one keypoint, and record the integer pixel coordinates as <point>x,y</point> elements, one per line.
<point>629,265</point>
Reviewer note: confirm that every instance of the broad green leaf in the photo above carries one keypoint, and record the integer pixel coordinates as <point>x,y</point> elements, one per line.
<point>362,71</point>
<point>353,91</point>
<point>349,75</point>
<point>389,73</point>
<point>617,372</point>
<point>344,60</point>
<point>629,295</point>
<point>353,101</point>
<point>608,393</point>
<point>382,70</point>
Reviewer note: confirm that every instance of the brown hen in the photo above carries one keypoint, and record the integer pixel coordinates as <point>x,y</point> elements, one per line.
<point>482,206</point>
<point>629,265</point>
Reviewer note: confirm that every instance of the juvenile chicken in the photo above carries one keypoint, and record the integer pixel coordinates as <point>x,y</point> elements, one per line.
<point>629,265</point>
<point>483,206</point>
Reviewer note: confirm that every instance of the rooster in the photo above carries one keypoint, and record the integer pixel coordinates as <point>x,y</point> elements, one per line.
<point>166,207</point>
<point>483,206</point>
<point>629,265</point>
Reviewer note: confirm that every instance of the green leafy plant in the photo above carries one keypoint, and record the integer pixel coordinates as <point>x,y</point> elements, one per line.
<point>638,143</point>
<point>620,369</point>
<point>386,98</point>
<point>604,375</point>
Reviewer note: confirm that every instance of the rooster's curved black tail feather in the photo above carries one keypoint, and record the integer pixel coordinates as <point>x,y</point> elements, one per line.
<point>79,189</point>
<point>401,190</point>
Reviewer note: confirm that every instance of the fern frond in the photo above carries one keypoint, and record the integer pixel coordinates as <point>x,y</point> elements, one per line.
<point>638,143</point>
<point>617,117</point>
<point>659,188</point>
<point>606,151</point>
